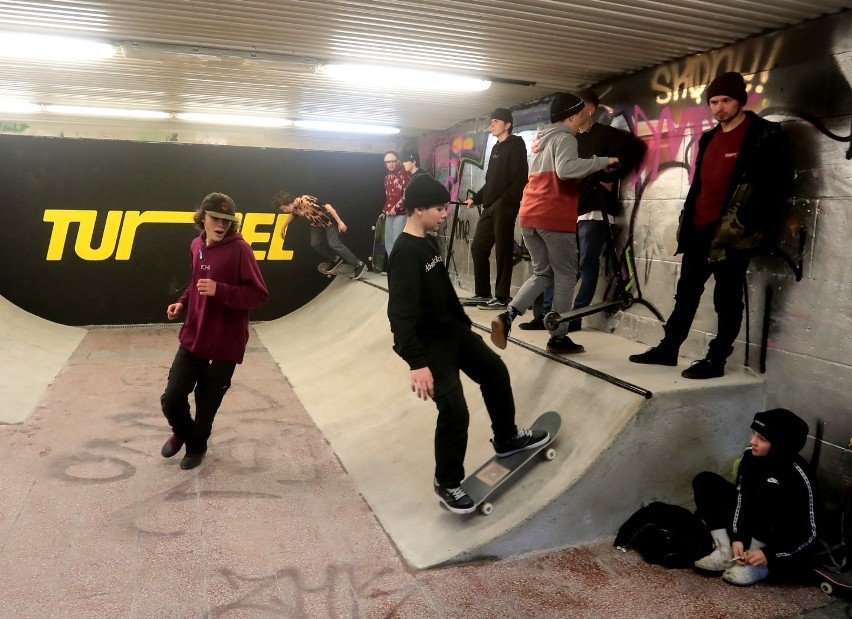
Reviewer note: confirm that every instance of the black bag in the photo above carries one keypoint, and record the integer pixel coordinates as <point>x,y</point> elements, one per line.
<point>667,535</point>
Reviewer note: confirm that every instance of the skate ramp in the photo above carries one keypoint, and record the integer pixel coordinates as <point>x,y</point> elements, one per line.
<point>32,352</point>
<point>620,444</point>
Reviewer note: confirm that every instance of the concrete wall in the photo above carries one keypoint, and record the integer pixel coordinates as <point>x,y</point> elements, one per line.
<point>799,77</point>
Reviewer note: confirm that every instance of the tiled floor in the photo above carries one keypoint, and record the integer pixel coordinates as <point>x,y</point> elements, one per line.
<point>95,523</point>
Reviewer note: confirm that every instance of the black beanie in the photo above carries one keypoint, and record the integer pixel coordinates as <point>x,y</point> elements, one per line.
<point>728,85</point>
<point>424,191</point>
<point>786,431</point>
<point>565,104</point>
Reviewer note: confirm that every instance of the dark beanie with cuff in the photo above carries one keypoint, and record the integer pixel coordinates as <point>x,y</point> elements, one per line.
<point>565,104</point>
<point>424,191</point>
<point>785,431</point>
<point>730,85</point>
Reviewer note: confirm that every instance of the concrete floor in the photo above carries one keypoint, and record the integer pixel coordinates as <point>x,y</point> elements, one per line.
<point>95,523</point>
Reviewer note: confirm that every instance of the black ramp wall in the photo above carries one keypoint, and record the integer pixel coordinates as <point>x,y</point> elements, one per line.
<point>98,231</point>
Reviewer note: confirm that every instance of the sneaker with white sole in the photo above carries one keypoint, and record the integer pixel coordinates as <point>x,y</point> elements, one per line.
<point>358,271</point>
<point>523,440</point>
<point>744,575</point>
<point>455,499</point>
<point>717,561</point>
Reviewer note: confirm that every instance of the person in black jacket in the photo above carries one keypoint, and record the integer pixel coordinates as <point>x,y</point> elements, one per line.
<point>433,335</point>
<point>766,520</point>
<point>742,178</point>
<point>500,198</point>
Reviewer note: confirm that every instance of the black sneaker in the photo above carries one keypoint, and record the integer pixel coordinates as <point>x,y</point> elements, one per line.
<point>563,345</point>
<point>171,446</point>
<point>455,499</point>
<point>536,324</point>
<point>192,459</point>
<point>523,440</point>
<point>359,270</point>
<point>475,300</point>
<point>658,355</point>
<point>500,327</point>
<point>704,368</point>
<point>497,303</point>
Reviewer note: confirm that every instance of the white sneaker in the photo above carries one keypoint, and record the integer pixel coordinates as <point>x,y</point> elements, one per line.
<point>744,575</point>
<point>717,561</point>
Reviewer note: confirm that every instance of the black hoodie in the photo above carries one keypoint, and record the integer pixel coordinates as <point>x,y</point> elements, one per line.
<point>507,174</point>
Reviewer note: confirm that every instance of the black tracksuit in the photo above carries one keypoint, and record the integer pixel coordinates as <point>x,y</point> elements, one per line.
<point>772,500</point>
<point>431,329</point>
<point>500,198</point>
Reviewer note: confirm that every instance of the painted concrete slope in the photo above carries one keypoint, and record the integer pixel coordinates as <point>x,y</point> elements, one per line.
<point>32,352</point>
<point>616,448</point>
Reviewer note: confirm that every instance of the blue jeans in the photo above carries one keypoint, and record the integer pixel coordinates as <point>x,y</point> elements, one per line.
<point>591,236</point>
<point>393,228</point>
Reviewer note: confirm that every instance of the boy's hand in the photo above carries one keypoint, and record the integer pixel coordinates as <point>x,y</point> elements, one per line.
<point>174,310</point>
<point>422,383</point>
<point>206,287</point>
<point>469,202</point>
<point>738,550</point>
<point>756,558</point>
<point>341,227</point>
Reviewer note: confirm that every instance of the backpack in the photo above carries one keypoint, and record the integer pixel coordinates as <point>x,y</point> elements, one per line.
<point>667,535</point>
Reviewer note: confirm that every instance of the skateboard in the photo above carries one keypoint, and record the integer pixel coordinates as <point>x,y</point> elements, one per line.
<point>379,259</point>
<point>834,583</point>
<point>469,302</point>
<point>490,477</point>
<point>340,269</point>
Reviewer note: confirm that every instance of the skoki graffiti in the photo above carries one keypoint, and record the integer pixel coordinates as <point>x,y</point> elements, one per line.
<point>450,158</point>
<point>119,232</point>
<point>687,79</point>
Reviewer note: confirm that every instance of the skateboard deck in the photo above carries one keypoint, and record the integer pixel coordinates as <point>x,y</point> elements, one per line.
<point>491,476</point>
<point>834,583</point>
<point>379,259</point>
<point>340,269</point>
<point>469,302</point>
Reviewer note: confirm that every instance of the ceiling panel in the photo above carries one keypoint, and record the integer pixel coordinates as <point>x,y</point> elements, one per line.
<point>551,44</point>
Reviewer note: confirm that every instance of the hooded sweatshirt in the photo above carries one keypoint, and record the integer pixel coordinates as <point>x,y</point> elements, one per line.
<point>216,327</point>
<point>507,174</point>
<point>550,197</point>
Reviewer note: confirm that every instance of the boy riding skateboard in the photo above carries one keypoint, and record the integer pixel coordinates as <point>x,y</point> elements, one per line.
<point>433,335</point>
<point>326,228</point>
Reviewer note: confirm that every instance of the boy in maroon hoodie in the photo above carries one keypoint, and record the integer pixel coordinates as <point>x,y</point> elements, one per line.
<point>226,284</point>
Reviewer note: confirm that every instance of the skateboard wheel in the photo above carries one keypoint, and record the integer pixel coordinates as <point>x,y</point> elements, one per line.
<point>826,588</point>
<point>549,454</point>
<point>486,509</point>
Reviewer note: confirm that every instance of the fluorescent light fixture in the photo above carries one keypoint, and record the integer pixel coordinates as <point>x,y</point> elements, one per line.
<point>62,49</point>
<point>15,106</point>
<point>232,119</point>
<point>343,127</point>
<point>113,112</point>
<point>396,78</point>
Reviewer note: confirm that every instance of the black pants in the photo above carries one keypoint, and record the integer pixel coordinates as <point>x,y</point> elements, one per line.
<point>210,380</point>
<point>464,350</point>
<point>715,500</point>
<point>495,229</point>
<point>729,274</point>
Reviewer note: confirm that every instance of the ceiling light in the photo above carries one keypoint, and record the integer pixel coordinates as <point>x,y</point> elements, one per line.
<point>343,127</point>
<point>395,78</point>
<point>62,49</point>
<point>77,110</point>
<point>232,119</point>
<point>14,106</point>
